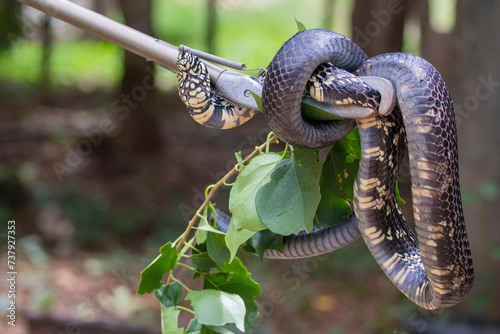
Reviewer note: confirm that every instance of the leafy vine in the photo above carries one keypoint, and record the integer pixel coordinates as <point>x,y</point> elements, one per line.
<point>274,194</point>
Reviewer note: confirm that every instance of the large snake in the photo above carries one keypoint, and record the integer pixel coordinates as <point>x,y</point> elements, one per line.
<point>433,267</point>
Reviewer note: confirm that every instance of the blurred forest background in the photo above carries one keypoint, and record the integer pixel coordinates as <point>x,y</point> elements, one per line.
<point>100,164</point>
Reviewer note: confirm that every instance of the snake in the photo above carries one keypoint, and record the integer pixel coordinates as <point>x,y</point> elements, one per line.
<point>205,105</point>
<point>433,265</point>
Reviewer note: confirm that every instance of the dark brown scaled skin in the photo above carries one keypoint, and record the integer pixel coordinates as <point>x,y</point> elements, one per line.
<point>285,83</point>
<point>434,267</point>
<point>340,87</point>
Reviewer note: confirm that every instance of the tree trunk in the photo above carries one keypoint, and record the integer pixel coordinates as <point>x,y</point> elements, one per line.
<point>475,89</point>
<point>328,10</point>
<point>438,48</point>
<point>378,25</point>
<point>468,60</point>
<point>140,132</point>
<point>44,83</point>
<point>211,26</point>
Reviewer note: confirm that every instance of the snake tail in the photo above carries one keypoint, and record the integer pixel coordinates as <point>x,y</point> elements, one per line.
<point>303,245</point>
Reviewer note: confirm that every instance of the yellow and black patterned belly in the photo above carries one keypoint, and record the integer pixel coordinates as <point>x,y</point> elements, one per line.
<point>205,105</point>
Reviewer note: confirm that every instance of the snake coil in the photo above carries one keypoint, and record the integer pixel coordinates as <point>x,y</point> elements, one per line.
<point>432,267</point>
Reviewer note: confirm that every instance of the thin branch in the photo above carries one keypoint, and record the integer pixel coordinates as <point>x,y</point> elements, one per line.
<point>210,192</point>
<point>182,308</point>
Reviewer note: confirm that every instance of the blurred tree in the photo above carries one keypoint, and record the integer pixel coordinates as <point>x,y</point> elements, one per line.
<point>378,25</point>
<point>44,82</point>
<point>475,86</point>
<point>467,57</point>
<point>100,6</point>
<point>437,47</point>
<point>140,132</point>
<point>211,26</point>
<point>10,23</point>
<point>328,8</point>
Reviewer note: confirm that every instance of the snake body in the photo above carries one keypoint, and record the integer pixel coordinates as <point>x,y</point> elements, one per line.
<point>320,240</point>
<point>433,267</point>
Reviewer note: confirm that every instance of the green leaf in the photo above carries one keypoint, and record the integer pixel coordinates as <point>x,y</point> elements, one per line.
<point>218,308</point>
<point>203,262</point>
<point>400,200</point>
<point>288,202</point>
<point>216,247</point>
<point>242,195</point>
<point>239,159</point>
<point>169,319</point>
<point>235,267</point>
<point>201,234</point>
<point>300,25</point>
<point>194,327</point>
<point>244,220</point>
<point>152,275</point>
<point>258,100</point>
<point>332,210</point>
<point>309,109</point>
<point>234,278</point>
<point>235,237</point>
<point>337,180</point>
<point>264,240</point>
<point>312,110</point>
<point>169,295</point>
<point>215,330</point>
<point>203,227</point>
<point>350,144</point>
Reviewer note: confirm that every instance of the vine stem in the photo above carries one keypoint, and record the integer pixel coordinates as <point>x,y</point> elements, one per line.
<point>216,186</point>
<point>185,309</point>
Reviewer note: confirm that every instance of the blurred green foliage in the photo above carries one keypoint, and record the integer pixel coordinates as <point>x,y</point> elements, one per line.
<point>99,222</point>
<point>249,33</point>
<point>10,22</point>
<point>85,64</point>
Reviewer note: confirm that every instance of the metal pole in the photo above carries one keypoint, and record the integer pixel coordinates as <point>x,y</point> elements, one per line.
<point>125,37</point>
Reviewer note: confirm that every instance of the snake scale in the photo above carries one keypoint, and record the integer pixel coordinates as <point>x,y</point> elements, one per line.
<point>431,266</point>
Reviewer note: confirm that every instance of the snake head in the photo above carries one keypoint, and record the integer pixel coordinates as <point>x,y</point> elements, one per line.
<point>184,63</point>
<point>190,64</point>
